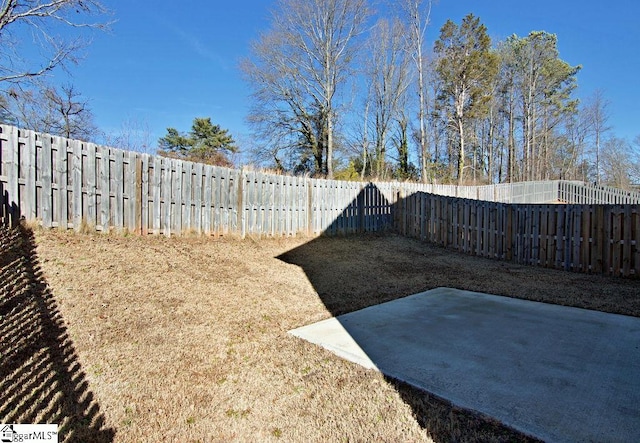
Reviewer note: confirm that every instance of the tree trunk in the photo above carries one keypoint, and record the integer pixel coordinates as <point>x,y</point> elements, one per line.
<point>511,146</point>
<point>426,176</point>
<point>365,142</point>
<point>461,151</point>
<point>329,161</point>
<point>490,149</point>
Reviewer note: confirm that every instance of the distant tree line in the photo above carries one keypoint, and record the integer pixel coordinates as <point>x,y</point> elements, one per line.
<point>340,92</point>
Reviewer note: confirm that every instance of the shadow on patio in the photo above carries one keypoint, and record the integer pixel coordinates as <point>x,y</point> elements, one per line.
<point>386,277</point>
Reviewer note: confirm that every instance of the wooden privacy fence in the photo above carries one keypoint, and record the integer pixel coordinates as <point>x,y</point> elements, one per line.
<point>76,185</point>
<point>71,184</point>
<point>580,238</point>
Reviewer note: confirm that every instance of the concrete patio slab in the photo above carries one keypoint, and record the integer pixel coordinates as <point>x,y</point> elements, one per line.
<point>560,374</point>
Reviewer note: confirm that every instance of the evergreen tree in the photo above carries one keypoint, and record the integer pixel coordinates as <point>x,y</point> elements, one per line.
<point>466,67</point>
<point>206,142</point>
<point>543,85</point>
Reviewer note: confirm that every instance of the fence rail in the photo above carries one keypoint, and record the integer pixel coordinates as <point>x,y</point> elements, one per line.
<point>76,185</point>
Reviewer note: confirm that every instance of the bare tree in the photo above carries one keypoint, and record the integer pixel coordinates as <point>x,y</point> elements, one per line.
<point>297,69</point>
<point>597,112</point>
<point>572,164</point>
<point>635,163</point>
<point>359,141</point>
<point>39,22</point>
<point>282,115</point>
<point>418,13</point>
<point>60,112</point>
<point>620,163</point>
<point>389,77</point>
<point>134,135</point>
<point>70,115</point>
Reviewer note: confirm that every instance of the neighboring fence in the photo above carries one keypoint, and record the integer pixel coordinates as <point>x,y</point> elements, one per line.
<point>580,238</point>
<point>521,192</point>
<point>582,193</point>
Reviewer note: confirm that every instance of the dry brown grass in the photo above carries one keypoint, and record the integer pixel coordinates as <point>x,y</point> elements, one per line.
<point>185,339</point>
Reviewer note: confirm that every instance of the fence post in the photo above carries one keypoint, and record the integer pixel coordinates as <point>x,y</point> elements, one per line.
<point>11,167</point>
<point>240,202</point>
<point>46,177</point>
<point>62,174</point>
<point>401,214</point>
<point>309,184</point>
<point>139,213</point>
<point>91,186</point>
<point>169,176</point>
<point>360,202</point>
<point>28,167</point>
<point>508,237</point>
<point>105,188</point>
<point>76,184</point>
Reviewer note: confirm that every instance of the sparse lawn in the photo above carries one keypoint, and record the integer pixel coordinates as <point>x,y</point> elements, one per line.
<point>185,339</point>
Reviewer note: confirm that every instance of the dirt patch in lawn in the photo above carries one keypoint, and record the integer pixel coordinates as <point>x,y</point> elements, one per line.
<point>185,339</point>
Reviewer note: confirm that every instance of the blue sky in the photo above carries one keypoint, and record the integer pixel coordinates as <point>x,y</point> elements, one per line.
<point>164,64</point>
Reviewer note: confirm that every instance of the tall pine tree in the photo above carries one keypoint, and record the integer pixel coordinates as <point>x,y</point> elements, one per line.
<point>466,67</point>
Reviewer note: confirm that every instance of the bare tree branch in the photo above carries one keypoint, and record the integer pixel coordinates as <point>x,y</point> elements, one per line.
<point>54,111</point>
<point>45,20</point>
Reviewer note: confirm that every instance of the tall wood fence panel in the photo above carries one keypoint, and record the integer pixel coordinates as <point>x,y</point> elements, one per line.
<point>71,184</point>
<point>601,239</point>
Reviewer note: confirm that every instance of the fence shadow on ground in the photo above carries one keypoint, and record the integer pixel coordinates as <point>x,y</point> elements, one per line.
<point>41,380</point>
<point>443,421</point>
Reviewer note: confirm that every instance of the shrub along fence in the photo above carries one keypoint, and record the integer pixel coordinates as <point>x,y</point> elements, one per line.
<point>71,184</point>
